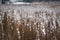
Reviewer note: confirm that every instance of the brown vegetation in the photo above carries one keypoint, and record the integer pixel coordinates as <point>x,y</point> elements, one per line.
<point>27,29</point>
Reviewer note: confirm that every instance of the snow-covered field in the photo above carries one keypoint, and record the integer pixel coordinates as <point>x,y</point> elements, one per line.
<point>31,8</point>
<point>44,14</point>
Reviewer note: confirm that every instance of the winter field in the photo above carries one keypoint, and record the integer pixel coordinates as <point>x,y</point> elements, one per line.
<point>30,21</point>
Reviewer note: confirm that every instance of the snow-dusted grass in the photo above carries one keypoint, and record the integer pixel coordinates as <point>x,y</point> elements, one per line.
<point>35,21</point>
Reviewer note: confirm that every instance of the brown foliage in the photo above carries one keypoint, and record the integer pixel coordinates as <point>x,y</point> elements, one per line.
<point>27,29</point>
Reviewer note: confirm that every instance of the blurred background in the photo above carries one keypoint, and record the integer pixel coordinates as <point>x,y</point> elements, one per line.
<point>35,20</point>
<point>14,1</point>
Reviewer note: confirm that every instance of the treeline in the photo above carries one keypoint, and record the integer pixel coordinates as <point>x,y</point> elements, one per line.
<point>43,27</point>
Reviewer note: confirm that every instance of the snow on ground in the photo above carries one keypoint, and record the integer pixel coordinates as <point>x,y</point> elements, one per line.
<point>31,8</point>
<point>28,10</point>
<point>21,3</point>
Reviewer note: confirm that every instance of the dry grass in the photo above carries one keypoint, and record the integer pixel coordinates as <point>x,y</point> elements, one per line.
<point>27,29</point>
<point>17,24</point>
